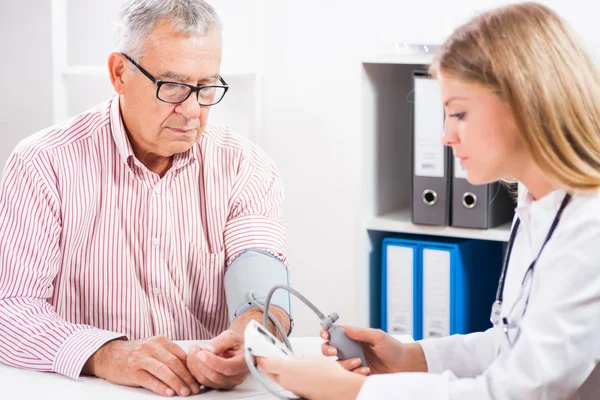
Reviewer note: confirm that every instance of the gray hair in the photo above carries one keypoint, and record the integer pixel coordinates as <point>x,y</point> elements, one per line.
<point>138,17</point>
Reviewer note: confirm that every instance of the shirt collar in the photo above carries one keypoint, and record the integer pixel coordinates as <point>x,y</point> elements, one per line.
<point>182,159</point>
<point>549,202</point>
<point>124,146</point>
<point>118,131</point>
<point>537,215</point>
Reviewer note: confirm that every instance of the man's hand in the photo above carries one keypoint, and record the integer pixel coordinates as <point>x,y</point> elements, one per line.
<point>219,364</point>
<point>156,364</point>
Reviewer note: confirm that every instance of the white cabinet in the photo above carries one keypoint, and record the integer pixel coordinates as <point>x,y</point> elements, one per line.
<point>386,130</point>
<point>386,114</point>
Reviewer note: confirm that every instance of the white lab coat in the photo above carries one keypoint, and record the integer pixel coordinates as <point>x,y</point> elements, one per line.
<point>557,354</point>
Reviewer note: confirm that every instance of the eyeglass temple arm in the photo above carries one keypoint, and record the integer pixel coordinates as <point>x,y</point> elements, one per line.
<point>142,70</point>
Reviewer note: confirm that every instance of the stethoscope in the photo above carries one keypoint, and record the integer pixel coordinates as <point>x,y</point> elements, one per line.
<point>495,317</point>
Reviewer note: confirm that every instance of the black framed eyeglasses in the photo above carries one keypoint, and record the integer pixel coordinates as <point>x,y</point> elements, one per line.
<point>177,93</point>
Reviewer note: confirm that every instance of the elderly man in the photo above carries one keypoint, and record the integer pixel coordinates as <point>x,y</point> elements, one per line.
<point>118,228</point>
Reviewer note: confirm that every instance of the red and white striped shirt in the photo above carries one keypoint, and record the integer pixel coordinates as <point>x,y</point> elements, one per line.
<point>94,246</point>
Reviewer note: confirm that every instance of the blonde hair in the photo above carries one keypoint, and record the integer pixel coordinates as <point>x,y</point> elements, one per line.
<point>529,56</point>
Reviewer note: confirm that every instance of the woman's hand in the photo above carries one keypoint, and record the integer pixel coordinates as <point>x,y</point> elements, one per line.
<point>383,353</point>
<point>313,377</point>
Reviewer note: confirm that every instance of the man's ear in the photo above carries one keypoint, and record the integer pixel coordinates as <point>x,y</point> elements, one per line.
<point>116,70</point>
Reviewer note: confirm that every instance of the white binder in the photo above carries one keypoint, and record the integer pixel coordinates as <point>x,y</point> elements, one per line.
<point>401,316</point>
<point>436,292</point>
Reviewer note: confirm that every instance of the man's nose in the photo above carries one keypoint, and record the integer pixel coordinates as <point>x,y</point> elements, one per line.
<point>190,107</point>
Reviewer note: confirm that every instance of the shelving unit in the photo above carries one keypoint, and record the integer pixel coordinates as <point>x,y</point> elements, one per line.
<point>102,70</point>
<point>387,94</point>
<point>386,114</point>
<point>400,222</point>
<point>399,58</point>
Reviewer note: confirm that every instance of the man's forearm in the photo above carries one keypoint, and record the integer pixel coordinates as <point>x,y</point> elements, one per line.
<point>239,324</point>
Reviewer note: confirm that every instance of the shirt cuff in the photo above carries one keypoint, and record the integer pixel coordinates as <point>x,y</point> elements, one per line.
<point>78,348</point>
<point>405,386</point>
<point>432,355</point>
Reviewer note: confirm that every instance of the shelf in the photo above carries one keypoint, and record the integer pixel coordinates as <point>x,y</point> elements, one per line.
<point>89,70</point>
<point>399,58</point>
<point>102,71</point>
<point>400,222</point>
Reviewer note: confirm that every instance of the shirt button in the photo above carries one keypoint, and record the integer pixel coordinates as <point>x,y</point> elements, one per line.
<point>157,291</point>
<point>156,192</point>
<point>155,242</point>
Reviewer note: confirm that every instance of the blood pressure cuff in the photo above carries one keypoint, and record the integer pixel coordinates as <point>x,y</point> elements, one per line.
<point>256,271</point>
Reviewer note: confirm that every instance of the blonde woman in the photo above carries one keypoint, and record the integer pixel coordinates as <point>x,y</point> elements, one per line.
<point>522,100</point>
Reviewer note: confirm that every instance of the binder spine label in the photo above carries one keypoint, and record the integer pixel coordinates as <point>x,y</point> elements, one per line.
<point>400,290</point>
<point>429,123</point>
<point>436,293</point>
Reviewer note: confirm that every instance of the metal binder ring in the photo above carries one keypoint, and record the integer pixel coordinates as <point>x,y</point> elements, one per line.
<point>429,197</point>
<point>469,200</point>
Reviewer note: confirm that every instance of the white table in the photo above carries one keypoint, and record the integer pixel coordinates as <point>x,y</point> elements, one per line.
<point>22,384</point>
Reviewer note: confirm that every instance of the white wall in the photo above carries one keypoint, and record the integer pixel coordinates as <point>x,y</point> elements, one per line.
<point>308,54</point>
<point>25,71</point>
